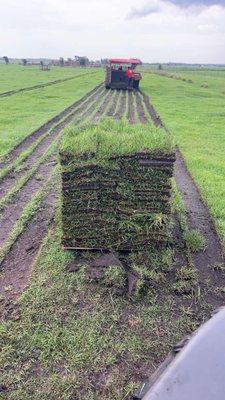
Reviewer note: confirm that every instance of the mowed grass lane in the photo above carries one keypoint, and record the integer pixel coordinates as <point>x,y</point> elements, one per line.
<point>22,113</point>
<point>196,116</point>
<point>14,76</point>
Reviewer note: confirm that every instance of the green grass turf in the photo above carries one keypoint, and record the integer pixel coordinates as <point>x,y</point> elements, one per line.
<point>196,117</point>
<point>15,76</point>
<point>110,138</point>
<point>22,113</point>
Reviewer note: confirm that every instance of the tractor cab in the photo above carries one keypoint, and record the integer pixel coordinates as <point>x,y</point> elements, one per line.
<point>118,77</point>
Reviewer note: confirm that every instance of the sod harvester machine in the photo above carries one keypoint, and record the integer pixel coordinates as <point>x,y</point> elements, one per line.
<point>116,77</point>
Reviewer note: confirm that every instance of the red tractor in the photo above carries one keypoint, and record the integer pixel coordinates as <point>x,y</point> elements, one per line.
<point>120,74</point>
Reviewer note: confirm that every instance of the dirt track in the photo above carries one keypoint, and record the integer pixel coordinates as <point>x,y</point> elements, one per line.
<point>98,103</point>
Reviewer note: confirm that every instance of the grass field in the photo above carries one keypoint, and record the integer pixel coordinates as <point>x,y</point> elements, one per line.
<point>63,334</point>
<point>196,117</point>
<point>22,113</point>
<point>15,76</point>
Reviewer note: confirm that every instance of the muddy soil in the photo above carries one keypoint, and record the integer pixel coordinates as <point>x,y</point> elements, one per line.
<point>14,209</point>
<point>17,266</point>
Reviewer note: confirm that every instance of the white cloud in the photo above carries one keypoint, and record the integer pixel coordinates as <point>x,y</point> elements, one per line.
<point>100,28</point>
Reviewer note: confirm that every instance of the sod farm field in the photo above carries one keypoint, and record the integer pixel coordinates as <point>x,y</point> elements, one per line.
<point>82,166</point>
<point>194,112</point>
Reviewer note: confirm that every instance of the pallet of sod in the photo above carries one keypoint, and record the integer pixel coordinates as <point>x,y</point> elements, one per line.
<point>116,186</point>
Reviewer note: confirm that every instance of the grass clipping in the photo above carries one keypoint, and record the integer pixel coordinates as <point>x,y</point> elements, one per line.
<point>116,186</point>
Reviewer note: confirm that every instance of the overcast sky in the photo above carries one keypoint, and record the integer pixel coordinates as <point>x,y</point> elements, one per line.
<point>153,30</point>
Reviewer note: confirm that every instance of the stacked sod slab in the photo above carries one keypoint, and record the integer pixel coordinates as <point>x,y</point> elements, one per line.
<point>116,186</point>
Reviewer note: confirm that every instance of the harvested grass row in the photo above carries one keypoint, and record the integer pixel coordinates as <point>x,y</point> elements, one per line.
<point>25,178</point>
<point>29,211</point>
<point>116,186</point>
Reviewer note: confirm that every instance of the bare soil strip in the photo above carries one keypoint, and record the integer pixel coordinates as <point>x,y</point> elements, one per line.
<point>29,140</point>
<point>14,209</point>
<point>42,85</point>
<point>17,265</point>
<point>131,109</point>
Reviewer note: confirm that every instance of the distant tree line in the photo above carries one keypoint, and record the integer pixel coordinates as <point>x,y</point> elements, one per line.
<point>6,59</point>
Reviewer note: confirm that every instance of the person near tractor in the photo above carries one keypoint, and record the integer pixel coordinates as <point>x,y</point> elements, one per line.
<point>129,76</point>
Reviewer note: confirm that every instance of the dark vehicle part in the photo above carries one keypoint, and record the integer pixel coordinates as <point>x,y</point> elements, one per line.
<point>116,77</point>
<point>194,370</point>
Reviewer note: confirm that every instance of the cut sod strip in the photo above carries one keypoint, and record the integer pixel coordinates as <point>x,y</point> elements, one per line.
<point>116,180</point>
<point>28,212</point>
